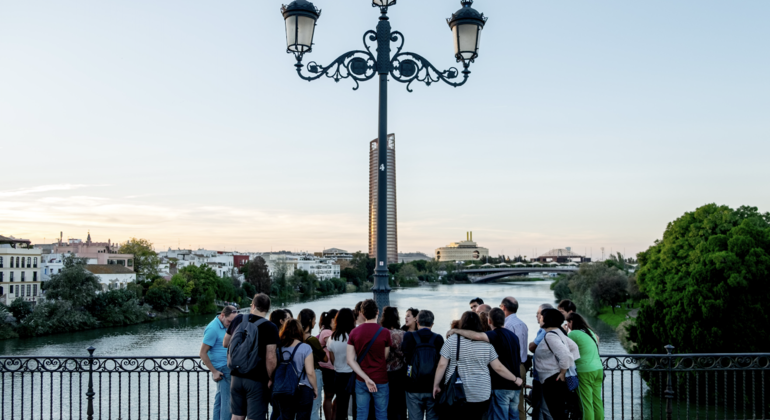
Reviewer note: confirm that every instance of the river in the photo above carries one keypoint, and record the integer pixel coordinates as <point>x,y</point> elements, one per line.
<point>182,336</point>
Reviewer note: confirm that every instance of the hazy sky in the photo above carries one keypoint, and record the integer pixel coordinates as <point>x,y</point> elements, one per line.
<point>585,123</point>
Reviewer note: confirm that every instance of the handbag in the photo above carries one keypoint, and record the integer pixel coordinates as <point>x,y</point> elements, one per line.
<point>452,392</point>
<point>351,386</point>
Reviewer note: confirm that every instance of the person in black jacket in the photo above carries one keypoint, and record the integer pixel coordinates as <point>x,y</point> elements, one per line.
<point>419,393</point>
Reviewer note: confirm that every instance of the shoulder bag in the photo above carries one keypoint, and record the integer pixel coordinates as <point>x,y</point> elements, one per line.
<point>452,393</point>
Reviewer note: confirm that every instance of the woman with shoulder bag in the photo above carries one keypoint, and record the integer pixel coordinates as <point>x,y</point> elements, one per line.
<point>300,356</point>
<point>464,365</point>
<point>589,367</point>
<point>553,358</point>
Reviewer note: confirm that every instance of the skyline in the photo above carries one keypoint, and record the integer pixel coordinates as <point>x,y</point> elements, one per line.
<point>582,125</point>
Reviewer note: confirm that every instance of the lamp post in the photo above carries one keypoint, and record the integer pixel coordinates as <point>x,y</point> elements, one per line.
<point>404,67</point>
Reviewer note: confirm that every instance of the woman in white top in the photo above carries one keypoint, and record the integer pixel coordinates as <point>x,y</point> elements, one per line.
<point>337,345</point>
<point>553,356</point>
<point>476,357</point>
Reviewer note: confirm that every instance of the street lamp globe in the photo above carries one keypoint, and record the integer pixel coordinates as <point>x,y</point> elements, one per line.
<point>300,17</point>
<point>466,25</point>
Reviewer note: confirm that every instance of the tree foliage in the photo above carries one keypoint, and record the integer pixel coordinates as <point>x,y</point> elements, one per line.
<point>146,260</point>
<point>592,286</point>
<point>74,284</point>
<point>707,282</point>
<point>258,275</point>
<point>610,290</point>
<point>20,309</point>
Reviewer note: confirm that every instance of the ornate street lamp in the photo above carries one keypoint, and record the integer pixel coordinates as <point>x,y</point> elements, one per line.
<point>404,67</point>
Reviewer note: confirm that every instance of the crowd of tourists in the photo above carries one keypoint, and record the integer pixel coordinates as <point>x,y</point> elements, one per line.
<point>366,364</point>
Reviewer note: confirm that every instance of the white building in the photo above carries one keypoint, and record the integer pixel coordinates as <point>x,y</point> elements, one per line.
<point>324,269</point>
<point>19,271</point>
<point>112,276</point>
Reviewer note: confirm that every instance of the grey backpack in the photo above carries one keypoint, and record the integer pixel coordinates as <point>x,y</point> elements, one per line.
<point>242,356</point>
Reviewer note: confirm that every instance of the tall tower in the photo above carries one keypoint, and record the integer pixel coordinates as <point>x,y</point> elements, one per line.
<point>391,204</point>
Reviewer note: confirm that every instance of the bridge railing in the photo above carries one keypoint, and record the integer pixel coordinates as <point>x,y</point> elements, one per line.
<point>651,386</point>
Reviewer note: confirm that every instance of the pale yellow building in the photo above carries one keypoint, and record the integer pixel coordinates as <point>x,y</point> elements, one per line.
<point>466,250</point>
<point>19,271</point>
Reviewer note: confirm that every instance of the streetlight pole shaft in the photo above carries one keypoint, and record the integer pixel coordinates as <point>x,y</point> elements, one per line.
<point>381,289</point>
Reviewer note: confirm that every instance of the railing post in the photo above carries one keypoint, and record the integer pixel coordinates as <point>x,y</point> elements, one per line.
<point>90,394</point>
<point>669,389</point>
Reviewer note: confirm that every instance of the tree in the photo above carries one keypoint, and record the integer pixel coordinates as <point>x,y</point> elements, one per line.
<point>582,286</point>
<point>146,260</point>
<point>116,308</point>
<point>258,275</point>
<point>610,290</point>
<point>74,284</point>
<point>20,309</point>
<point>707,282</point>
<point>163,294</point>
<point>633,289</point>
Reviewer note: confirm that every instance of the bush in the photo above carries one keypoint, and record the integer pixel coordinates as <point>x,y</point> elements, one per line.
<point>116,308</point>
<point>20,309</point>
<point>56,316</point>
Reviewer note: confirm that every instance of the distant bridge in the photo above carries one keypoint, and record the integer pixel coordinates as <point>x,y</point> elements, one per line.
<point>483,275</point>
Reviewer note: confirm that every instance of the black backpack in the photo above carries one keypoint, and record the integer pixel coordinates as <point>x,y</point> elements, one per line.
<point>242,355</point>
<point>286,375</point>
<point>424,360</point>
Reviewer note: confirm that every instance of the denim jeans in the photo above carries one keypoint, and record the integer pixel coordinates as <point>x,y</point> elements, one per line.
<point>421,406</point>
<point>319,379</point>
<point>380,398</point>
<point>222,397</point>
<point>504,404</point>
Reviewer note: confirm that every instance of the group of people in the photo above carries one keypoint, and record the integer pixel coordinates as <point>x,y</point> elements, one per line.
<point>366,363</point>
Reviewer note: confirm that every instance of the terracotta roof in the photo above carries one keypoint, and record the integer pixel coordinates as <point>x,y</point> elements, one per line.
<point>108,269</point>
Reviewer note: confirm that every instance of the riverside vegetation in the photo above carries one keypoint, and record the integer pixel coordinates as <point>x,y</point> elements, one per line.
<point>74,300</point>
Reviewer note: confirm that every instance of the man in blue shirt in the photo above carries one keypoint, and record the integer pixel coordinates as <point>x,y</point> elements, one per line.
<point>214,355</point>
<point>510,307</point>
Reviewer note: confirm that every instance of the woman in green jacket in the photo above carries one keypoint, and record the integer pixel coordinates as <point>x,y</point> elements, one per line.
<point>589,367</point>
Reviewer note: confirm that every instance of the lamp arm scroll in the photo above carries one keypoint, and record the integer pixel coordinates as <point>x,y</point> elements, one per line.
<point>410,67</point>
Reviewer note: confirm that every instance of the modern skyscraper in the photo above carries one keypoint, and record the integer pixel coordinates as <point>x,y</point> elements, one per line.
<point>391,204</point>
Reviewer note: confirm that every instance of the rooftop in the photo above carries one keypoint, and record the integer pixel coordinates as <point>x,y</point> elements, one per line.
<point>108,269</point>
<point>560,252</point>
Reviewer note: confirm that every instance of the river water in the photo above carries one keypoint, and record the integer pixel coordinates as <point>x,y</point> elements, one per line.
<point>182,336</point>
<point>143,395</point>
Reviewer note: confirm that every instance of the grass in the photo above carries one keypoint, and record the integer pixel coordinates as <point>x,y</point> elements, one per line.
<point>613,319</point>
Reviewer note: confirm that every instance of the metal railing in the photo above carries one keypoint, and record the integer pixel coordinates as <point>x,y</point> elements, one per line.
<point>651,386</point>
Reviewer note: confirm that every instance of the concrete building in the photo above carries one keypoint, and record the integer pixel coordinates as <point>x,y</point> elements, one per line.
<point>95,252</point>
<point>112,276</point>
<point>374,172</point>
<point>562,255</point>
<point>335,254</point>
<point>324,269</point>
<point>20,276</point>
<point>466,250</point>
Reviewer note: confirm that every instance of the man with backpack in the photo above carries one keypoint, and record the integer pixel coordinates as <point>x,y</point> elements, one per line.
<point>252,359</point>
<point>504,404</point>
<point>368,349</point>
<point>422,351</point>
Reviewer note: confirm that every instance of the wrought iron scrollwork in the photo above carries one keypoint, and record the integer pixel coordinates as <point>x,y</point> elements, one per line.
<point>358,65</point>
<point>410,67</point>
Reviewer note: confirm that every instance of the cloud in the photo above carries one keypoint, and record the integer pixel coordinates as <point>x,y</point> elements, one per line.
<point>44,188</point>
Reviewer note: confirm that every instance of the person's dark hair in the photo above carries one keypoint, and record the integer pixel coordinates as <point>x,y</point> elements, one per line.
<point>326,319</point>
<point>484,319</point>
<point>568,306</point>
<point>261,301</point>
<point>476,300</point>
<point>471,321</point>
<point>390,318</point>
<point>369,309</point>
<point>288,311</point>
<point>498,317</point>
<point>511,306</point>
<point>278,316</point>
<point>306,317</point>
<point>228,310</point>
<point>357,309</point>
<point>545,306</point>
<point>552,318</point>
<point>291,330</point>
<point>579,323</point>
<point>344,324</point>
<point>425,318</point>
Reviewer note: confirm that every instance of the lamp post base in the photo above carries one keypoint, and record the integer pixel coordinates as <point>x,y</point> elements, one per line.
<point>381,291</point>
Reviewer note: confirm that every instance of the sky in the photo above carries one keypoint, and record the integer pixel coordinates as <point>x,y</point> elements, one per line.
<point>587,124</point>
